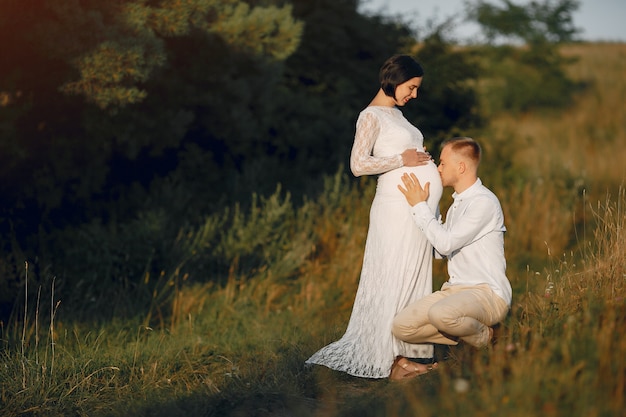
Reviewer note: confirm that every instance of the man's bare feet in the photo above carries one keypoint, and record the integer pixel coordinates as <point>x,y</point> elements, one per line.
<point>403,368</point>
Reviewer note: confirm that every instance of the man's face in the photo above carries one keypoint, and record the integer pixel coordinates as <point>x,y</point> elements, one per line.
<point>407,91</point>
<point>448,167</point>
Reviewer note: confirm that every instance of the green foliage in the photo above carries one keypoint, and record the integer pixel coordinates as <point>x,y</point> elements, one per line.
<point>131,48</point>
<point>536,22</point>
<point>65,163</point>
<point>263,235</point>
<point>532,74</point>
<point>104,71</point>
<point>270,31</point>
<point>521,79</point>
<point>140,263</point>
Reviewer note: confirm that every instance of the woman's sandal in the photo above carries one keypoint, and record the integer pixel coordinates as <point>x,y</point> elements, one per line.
<point>403,368</point>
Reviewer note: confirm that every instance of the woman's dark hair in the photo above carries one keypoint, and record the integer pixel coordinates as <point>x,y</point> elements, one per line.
<point>397,70</point>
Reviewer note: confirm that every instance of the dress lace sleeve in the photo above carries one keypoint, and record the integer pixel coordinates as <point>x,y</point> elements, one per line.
<point>362,162</point>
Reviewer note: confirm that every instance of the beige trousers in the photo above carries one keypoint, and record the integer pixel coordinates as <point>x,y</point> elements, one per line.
<point>452,313</point>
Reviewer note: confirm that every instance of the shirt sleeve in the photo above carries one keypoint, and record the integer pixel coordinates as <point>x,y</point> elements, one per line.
<point>362,162</point>
<point>475,223</point>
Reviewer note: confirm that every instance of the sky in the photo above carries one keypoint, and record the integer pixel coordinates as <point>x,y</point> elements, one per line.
<point>599,20</point>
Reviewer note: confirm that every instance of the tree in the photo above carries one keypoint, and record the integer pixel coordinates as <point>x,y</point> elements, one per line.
<point>537,22</point>
<point>93,106</point>
<point>531,75</point>
<point>64,55</point>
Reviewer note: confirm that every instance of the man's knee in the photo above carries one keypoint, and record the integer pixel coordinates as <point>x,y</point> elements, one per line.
<point>442,317</point>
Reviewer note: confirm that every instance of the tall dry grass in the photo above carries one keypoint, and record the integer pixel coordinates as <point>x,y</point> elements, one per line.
<point>559,161</point>
<point>585,141</point>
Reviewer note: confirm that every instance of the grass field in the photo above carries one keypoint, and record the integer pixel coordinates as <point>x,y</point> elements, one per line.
<point>238,349</point>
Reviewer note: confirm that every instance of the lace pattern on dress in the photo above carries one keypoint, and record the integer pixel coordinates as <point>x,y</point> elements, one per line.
<point>362,162</point>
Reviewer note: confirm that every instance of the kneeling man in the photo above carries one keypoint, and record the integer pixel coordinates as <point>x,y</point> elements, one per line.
<point>477,294</point>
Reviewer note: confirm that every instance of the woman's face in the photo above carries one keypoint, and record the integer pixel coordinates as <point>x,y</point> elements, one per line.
<point>407,91</point>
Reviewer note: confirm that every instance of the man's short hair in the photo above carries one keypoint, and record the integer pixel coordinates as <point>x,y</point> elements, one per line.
<point>465,146</point>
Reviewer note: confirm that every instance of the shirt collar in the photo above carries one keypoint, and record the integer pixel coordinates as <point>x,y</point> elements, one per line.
<point>468,192</point>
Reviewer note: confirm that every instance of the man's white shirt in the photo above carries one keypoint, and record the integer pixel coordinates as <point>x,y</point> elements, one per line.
<point>472,238</point>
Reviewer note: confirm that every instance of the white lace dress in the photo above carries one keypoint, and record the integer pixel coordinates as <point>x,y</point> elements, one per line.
<point>397,264</point>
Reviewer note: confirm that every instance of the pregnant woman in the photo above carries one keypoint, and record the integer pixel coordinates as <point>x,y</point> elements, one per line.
<point>397,264</point>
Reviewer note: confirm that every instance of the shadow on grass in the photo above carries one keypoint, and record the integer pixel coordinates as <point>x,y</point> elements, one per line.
<point>315,391</point>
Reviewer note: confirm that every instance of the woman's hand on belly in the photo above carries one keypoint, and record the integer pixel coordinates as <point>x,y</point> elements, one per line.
<point>414,158</point>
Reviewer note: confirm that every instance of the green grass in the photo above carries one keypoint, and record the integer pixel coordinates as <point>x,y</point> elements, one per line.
<point>240,350</point>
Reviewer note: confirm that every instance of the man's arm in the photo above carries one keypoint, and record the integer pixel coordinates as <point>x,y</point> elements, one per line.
<point>477,220</point>
<point>475,223</point>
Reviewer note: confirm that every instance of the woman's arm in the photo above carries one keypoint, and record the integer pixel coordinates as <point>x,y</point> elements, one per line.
<point>361,160</point>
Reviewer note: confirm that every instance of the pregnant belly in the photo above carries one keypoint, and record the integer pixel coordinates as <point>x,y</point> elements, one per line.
<point>388,182</point>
